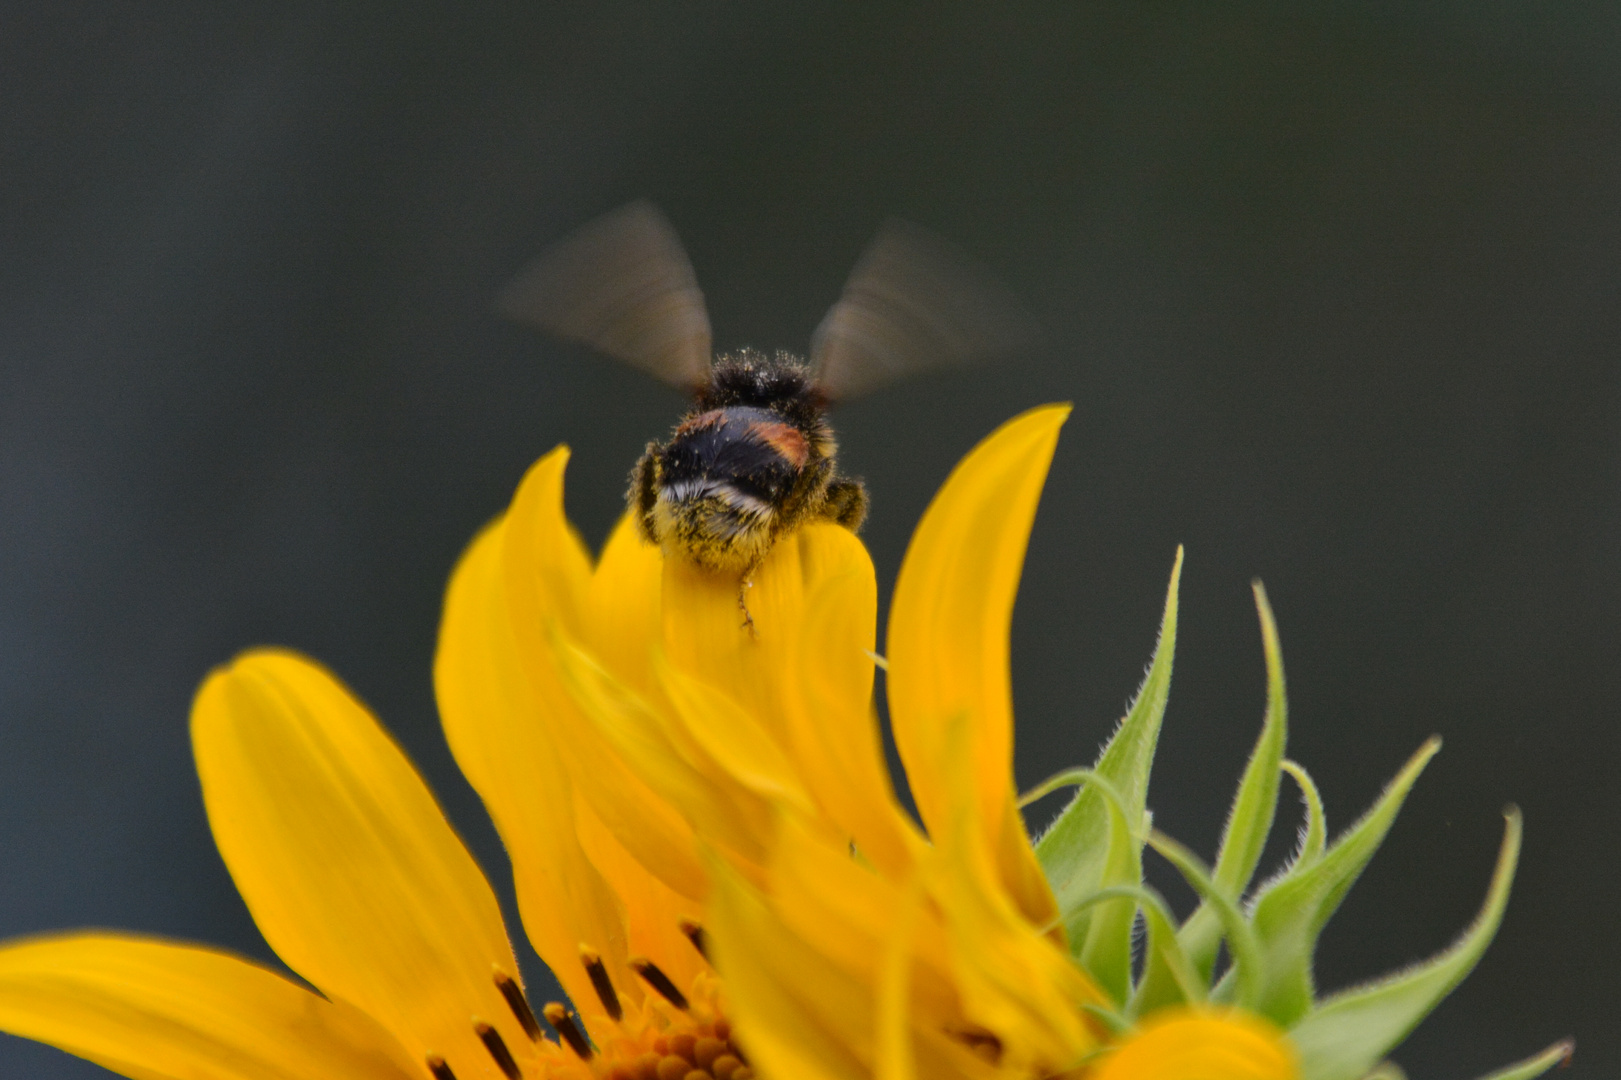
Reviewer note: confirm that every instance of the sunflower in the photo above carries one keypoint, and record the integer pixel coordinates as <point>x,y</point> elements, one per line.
<point>854,942</point>
<point>676,783</point>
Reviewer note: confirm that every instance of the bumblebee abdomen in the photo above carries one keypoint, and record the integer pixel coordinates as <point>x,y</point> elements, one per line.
<point>736,442</point>
<point>717,526</point>
<point>726,484</point>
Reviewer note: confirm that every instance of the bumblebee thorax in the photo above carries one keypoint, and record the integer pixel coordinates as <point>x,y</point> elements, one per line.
<point>750,378</point>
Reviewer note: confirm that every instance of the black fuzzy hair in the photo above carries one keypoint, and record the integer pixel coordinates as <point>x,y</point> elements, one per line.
<point>781,383</point>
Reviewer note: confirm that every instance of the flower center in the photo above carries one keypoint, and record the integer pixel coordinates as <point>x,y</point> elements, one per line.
<point>672,1034</point>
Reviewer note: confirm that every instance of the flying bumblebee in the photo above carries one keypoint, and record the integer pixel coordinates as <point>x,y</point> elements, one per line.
<point>755,457</point>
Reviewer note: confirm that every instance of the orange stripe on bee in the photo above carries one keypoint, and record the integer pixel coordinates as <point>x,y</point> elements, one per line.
<point>785,439</point>
<point>712,418</point>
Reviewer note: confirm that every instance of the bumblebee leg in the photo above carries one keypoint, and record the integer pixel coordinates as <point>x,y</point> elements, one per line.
<point>846,503</point>
<point>644,492</point>
<point>744,584</point>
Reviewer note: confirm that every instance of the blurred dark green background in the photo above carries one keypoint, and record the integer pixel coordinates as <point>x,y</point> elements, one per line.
<point>1333,288</point>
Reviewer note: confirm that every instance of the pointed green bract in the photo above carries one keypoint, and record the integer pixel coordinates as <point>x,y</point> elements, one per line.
<point>1168,978</point>
<point>1092,855</point>
<point>1316,837</point>
<point>1106,954</point>
<point>1387,1070</point>
<point>1255,805</point>
<point>1346,1035</point>
<point>1537,1064</point>
<point>1075,851</point>
<point>1240,935</point>
<point>1291,910</point>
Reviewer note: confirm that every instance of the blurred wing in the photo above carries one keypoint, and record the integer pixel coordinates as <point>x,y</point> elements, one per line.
<point>913,302</point>
<point>621,284</point>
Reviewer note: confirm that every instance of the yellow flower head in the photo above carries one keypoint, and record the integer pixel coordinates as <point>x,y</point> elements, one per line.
<point>709,854</point>
<point>851,942</point>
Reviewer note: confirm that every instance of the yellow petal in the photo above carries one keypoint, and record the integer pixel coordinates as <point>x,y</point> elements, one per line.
<point>553,577</point>
<point>773,982</point>
<point>822,895</point>
<point>548,586</point>
<point>623,609</point>
<point>653,911</point>
<point>807,1006</point>
<point>661,752</point>
<point>948,631</point>
<point>1015,978</point>
<point>1202,1045</point>
<point>775,713</point>
<point>346,861</point>
<point>704,630</point>
<point>155,1010</point>
<point>733,738</point>
<point>832,728</point>
<point>894,1053</point>
<point>503,742</point>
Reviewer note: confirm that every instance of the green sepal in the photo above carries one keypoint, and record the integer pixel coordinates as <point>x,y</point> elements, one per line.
<point>1106,953</point>
<point>1387,1070</point>
<point>1254,807</point>
<point>1168,978</point>
<point>1241,941</point>
<point>1290,911</point>
<point>1075,851</point>
<point>1537,1064</point>
<point>1345,1036</point>
<point>1222,992</point>
<point>1316,836</point>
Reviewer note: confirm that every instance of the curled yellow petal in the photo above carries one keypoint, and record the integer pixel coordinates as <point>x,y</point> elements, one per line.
<point>778,987</point>
<point>832,970</point>
<point>708,634</point>
<point>346,861</point>
<point>815,885</point>
<point>660,751</point>
<point>155,1009</point>
<point>653,911</point>
<point>832,727</point>
<point>948,633</point>
<point>546,593</point>
<point>549,583</point>
<point>1202,1045</point>
<point>504,741</point>
<point>783,703</point>
<point>733,738</point>
<point>623,615</point>
<point>1014,977</point>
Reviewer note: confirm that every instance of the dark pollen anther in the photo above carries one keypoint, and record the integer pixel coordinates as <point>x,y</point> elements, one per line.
<point>518,1004</point>
<point>601,983</point>
<point>696,935</point>
<point>557,1016</point>
<point>497,1047</point>
<point>659,981</point>
<point>981,1041</point>
<point>440,1070</point>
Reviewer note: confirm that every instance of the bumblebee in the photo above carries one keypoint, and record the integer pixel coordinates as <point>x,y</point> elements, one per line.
<point>755,457</point>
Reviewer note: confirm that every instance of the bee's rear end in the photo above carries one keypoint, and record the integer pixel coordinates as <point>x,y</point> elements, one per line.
<point>752,461</point>
<point>714,489</point>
